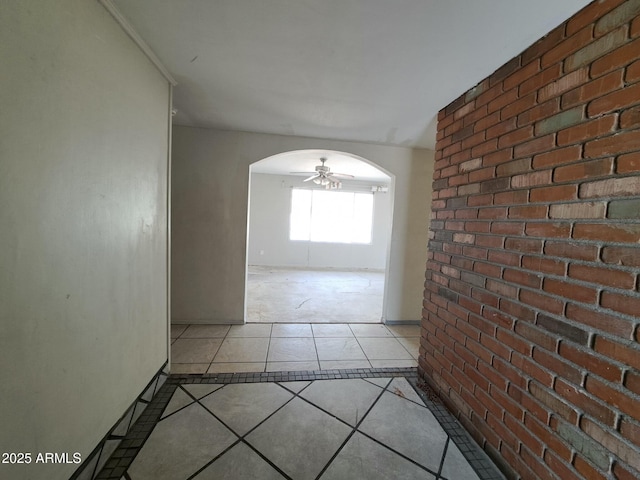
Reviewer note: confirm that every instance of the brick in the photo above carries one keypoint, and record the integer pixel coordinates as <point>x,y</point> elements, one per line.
<point>595,49</point>
<point>557,365</point>
<point>619,16</point>
<point>544,265</point>
<point>630,118</point>
<point>571,250</point>
<point>453,106</point>
<point>496,185</point>
<point>543,110</point>
<point>582,443</point>
<point>613,145</point>
<point>522,278</point>
<point>511,168</point>
<point>512,110</point>
<point>613,396</point>
<point>594,364</point>
<point>482,174</point>
<point>504,71</point>
<point>627,354</point>
<point>539,80</point>
<point>520,75</point>
<point>489,241</point>
<point>500,101</point>
<point>594,89</point>
<point>602,276</point>
<point>541,301</point>
<point>623,473</point>
<point>515,137</point>
<point>537,145</point>
<point>613,187</point>
<point>590,14</point>
<point>566,47</point>
<point>563,84</point>
<point>508,291</point>
<point>608,323</point>
<point>498,157</point>
<point>543,45</point>
<point>504,258</point>
<point>556,404</point>
<point>486,122</point>
<point>584,170</point>
<point>570,290</point>
<point>484,148</point>
<point>613,444</point>
<point>554,194</point>
<point>634,31</point>
<point>527,245</point>
<point>466,109</point>
<point>560,121</point>
<point>469,143</point>
<point>628,163</point>
<point>491,213</point>
<point>624,209</point>
<point>557,156</point>
<point>508,228</point>
<point>475,91</point>
<point>469,189</point>
<point>624,256</point>
<point>587,131</point>
<point>501,128</point>
<point>528,211</point>
<point>632,382</point>
<point>616,59</point>
<point>621,303</point>
<point>578,210</point>
<point>584,468</point>
<point>633,71</point>
<point>542,177</point>
<point>470,165</point>
<point>536,335</point>
<point>617,100</point>
<point>511,198</point>
<point>564,329</point>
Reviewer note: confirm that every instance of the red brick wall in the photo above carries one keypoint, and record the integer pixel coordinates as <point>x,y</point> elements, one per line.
<point>532,303</point>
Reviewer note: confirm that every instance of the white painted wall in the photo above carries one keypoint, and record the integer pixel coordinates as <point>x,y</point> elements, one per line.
<point>269,244</point>
<point>84,131</point>
<point>210,187</point>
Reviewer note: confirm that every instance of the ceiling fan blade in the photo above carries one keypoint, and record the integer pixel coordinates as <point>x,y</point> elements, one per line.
<point>311,178</point>
<point>343,175</point>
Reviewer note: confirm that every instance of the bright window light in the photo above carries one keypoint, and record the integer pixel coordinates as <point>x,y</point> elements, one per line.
<point>329,216</point>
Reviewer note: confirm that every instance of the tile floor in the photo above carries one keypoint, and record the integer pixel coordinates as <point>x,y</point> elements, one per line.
<point>290,295</point>
<point>268,347</point>
<point>372,427</point>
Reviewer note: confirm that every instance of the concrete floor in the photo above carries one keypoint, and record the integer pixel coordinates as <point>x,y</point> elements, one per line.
<point>288,295</point>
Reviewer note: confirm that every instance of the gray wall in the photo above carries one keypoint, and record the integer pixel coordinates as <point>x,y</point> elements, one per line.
<point>84,131</point>
<point>210,187</point>
<point>269,244</point>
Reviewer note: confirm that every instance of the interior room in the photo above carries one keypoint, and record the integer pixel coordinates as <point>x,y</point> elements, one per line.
<point>478,318</point>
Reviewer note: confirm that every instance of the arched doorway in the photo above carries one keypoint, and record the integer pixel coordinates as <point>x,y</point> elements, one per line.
<point>317,252</point>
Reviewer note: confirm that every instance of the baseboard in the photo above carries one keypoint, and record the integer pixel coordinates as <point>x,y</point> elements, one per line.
<point>91,467</point>
<point>402,322</point>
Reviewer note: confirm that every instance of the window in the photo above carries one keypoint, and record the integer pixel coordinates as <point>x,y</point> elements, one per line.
<point>330,216</point>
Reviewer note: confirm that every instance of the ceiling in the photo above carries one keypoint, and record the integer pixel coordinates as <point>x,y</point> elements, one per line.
<point>361,70</point>
<point>307,160</point>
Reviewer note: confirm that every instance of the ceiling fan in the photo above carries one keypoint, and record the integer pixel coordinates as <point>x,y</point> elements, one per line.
<point>324,176</point>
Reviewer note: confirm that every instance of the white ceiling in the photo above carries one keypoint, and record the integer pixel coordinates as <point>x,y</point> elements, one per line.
<point>306,161</point>
<point>362,70</point>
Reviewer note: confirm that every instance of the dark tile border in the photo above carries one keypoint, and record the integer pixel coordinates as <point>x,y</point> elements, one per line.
<point>129,447</point>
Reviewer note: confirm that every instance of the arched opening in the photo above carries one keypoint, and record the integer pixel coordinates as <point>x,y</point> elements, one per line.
<point>318,238</point>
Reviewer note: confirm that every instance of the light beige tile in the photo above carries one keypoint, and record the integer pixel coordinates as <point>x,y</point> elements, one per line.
<point>194,350</point>
<point>291,330</point>
<point>242,350</point>
<point>393,363</point>
<point>177,330</point>
<point>189,367</point>
<point>332,330</point>
<point>206,331</point>
<point>339,349</point>
<point>411,344</point>
<point>370,330</point>
<point>250,330</point>
<point>236,367</point>
<point>383,349</point>
<point>292,366</point>
<point>343,364</point>
<point>404,330</point>
<point>291,350</point>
